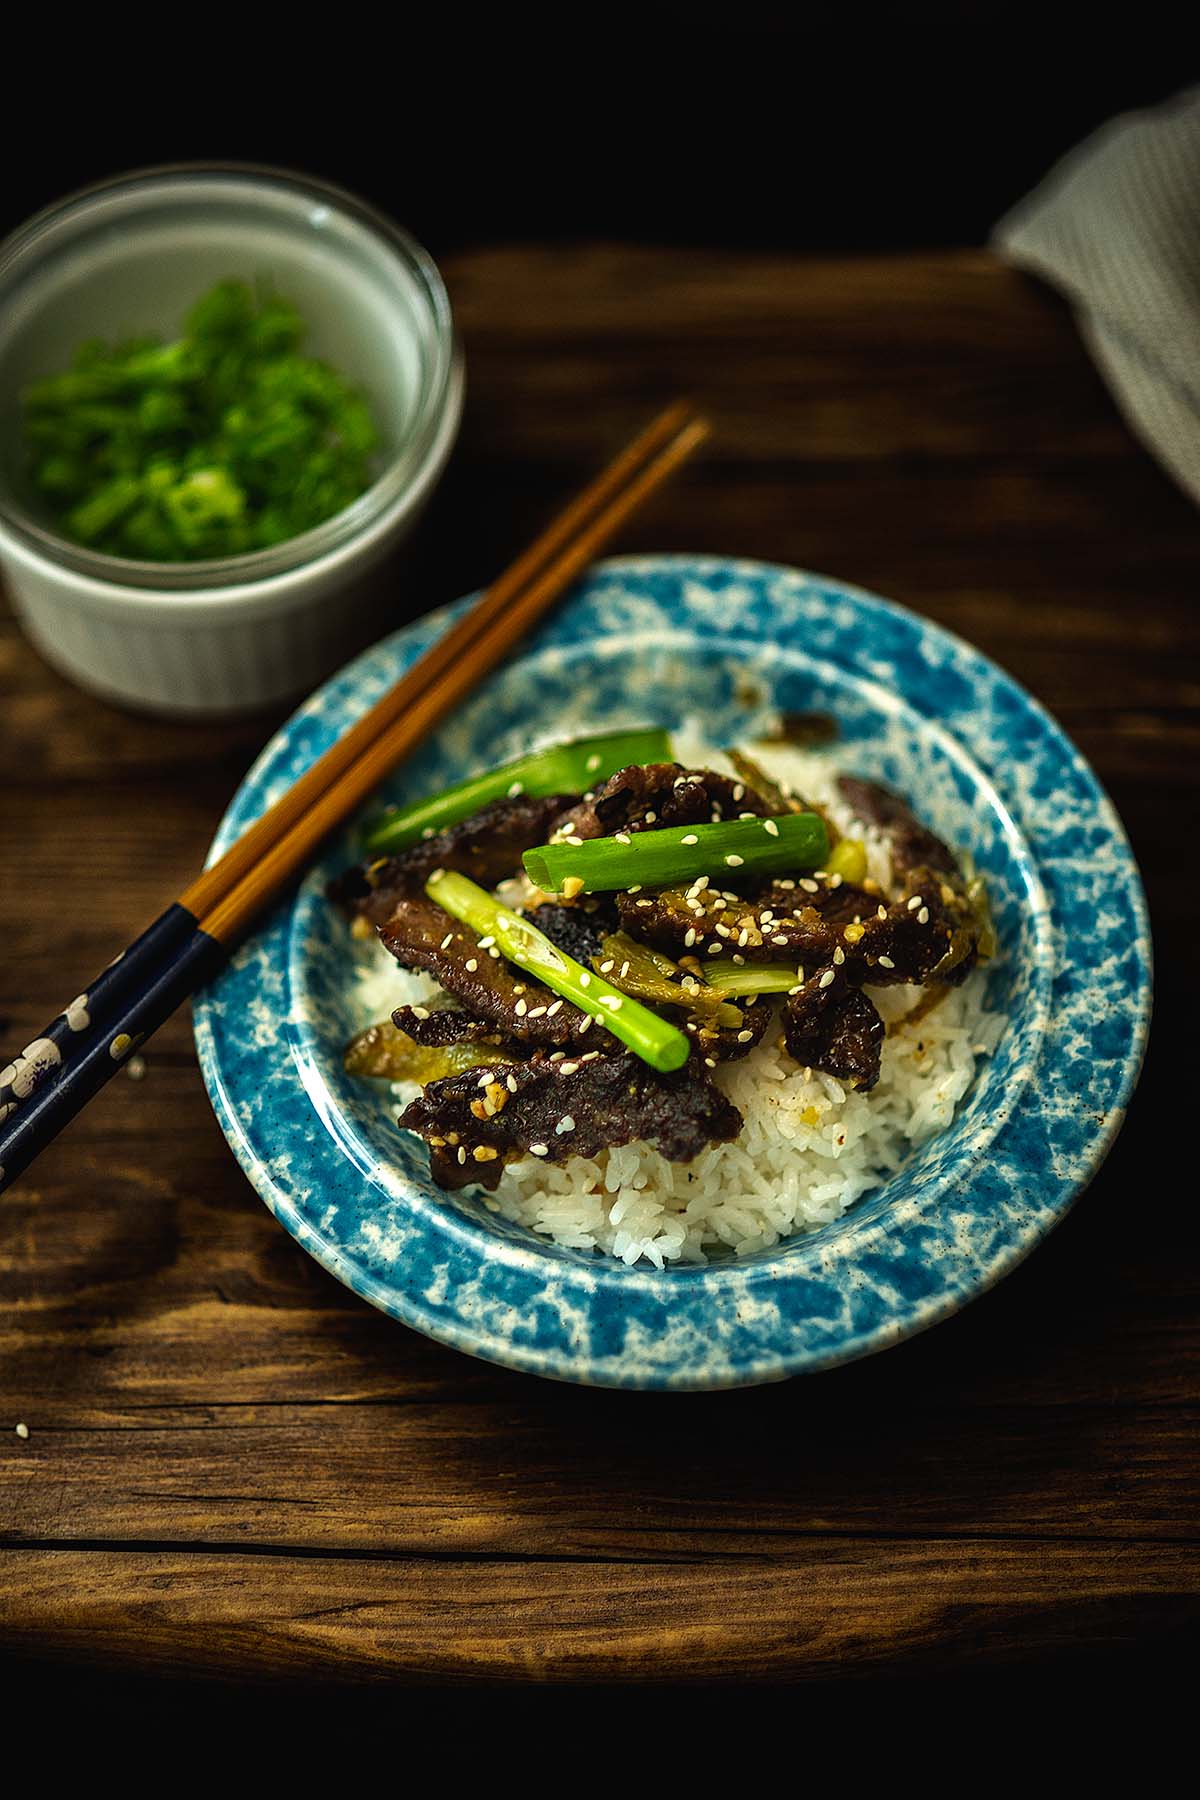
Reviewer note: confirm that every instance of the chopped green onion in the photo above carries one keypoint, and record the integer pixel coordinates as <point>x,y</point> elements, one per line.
<point>648,1036</point>
<point>755,978</point>
<point>679,853</point>
<point>562,769</point>
<point>848,858</point>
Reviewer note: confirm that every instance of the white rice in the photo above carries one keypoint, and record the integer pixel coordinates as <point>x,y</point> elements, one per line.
<point>809,1148</point>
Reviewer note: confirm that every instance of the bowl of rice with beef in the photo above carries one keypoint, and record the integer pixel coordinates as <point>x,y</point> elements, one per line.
<point>742,980</point>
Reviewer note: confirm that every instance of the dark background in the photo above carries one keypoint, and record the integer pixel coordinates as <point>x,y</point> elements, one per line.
<point>771,127</point>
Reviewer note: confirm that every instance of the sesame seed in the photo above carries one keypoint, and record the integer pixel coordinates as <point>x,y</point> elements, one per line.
<point>787,885</point>
<point>881,912</point>
<point>739,791</point>
<point>779,938</point>
<point>691,838</point>
<point>510,1082</point>
<point>539,1149</point>
<point>710,1062</point>
<point>515,789</point>
<point>914,903</point>
<point>747,815</point>
<point>714,949</point>
<point>536,1012</point>
<point>471,964</point>
<point>420,1012</point>
<point>447,940</point>
<point>485,943</point>
<point>593,763</point>
<point>427,833</point>
<point>22,1430</point>
<point>494,953</point>
<point>586,1024</point>
<point>624,969</point>
<point>835,881</point>
<point>614,1002</point>
<point>735,862</point>
<point>462,1153</point>
<point>635,889</point>
<point>770,827</point>
<point>839,955</point>
<point>551,1010</point>
<point>621,837</point>
<point>585,979</point>
<point>923,916</point>
<point>744,1037</point>
<point>568,1068</point>
<point>565,1124</point>
<point>743,937</point>
<point>739,960</point>
<point>689,936</point>
<point>592,1056</point>
<point>484,1081</point>
<point>809,886</point>
<point>640,902</point>
<point>826,978</point>
<point>574,840</point>
<point>521,1009</point>
<point>885,962</point>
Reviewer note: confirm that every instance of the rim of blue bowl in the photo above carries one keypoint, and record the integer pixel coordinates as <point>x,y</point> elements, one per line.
<point>898,1274</point>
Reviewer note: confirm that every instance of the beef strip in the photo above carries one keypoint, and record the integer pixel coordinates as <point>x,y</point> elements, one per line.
<point>835,1027</point>
<point>474,1125</point>
<point>512,1003</point>
<point>487,847</point>
<point>726,1043</point>
<point>913,845</point>
<point>649,797</point>
<point>929,934</point>
<point>436,1026</point>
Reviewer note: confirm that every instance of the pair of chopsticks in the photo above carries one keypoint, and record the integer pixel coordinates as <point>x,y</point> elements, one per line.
<point>59,1072</point>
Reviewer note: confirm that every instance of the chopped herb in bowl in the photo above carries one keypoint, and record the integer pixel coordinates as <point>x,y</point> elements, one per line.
<point>228,440</point>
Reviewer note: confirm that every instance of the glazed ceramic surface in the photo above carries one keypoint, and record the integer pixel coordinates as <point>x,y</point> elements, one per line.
<point>661,640</point>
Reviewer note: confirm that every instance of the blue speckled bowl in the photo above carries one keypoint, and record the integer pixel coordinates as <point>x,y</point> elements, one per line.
<point>664,638</point>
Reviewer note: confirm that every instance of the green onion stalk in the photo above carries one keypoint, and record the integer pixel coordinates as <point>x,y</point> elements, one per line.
<point>755,978</point>
<point>653,1039</point>
<point>562,769</point>
<point>680,853</point>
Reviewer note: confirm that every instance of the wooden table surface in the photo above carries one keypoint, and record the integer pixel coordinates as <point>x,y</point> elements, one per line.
<point>236,1469</point>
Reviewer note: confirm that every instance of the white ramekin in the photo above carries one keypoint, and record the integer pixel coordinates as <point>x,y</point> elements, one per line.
<point>129,257</point>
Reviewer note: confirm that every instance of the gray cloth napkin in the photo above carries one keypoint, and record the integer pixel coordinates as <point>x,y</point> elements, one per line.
<point>1116,226</point>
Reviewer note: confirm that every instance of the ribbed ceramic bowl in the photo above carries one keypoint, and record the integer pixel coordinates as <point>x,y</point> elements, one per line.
<point>664,639</point>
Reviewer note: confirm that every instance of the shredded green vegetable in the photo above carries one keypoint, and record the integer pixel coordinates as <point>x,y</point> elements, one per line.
<point>225,441</point>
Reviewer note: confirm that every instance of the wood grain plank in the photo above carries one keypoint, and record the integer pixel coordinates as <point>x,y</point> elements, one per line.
<point>842,1607</point>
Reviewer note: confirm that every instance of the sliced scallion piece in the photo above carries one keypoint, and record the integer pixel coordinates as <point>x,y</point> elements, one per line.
<point>561,769</point>
<point>648,1036</point>
<point>680,853</point>
<point>755,978</point>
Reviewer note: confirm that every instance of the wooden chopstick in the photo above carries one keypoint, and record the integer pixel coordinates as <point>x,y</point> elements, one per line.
<point>429,692</point>
<point>251,849</point>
